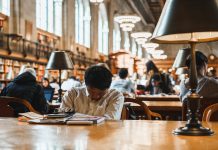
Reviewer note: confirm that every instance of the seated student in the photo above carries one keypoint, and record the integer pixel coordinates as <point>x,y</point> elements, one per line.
<point>24,86</point>
<point>123,84</point>
<point>69,83</point>
<point>45,83</point>
<point>95,98</point>
<point>207,87</point>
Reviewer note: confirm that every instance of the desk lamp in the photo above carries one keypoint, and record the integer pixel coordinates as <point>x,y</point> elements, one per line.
<point>59,60</point>
<point>189,22</point>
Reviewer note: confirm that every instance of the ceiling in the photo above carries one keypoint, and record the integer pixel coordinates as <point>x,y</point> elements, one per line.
<point>149,10</point>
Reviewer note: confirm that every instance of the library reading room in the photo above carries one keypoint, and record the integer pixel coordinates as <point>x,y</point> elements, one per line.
<point>108,74</point>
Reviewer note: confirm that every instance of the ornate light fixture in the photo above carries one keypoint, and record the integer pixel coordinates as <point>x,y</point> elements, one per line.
<point>127,22</point>
<point>157,52</point>
<point>96,1</point>
<point>202,19</point>
<point>150,45</point>
<point>141,40</point>
<point>141,35</point>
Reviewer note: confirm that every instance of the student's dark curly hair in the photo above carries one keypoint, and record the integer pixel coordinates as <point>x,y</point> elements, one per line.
<point>201,60</point>
<point>123,73</point>
<point>98,77</point>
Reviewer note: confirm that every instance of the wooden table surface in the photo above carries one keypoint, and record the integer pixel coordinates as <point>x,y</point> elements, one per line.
<point>158,98</point>
<point>164,105</point>
<point>112,135</point>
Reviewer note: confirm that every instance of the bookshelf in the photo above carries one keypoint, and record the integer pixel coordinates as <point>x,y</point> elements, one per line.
<point>10,68</point>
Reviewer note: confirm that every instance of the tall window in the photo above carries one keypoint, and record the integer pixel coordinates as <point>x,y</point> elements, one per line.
<point>139,51</point>
<point>116,37</point>
<point>134,47</point>
<point>103,30</point>
<point>5,7</point>
<point>49,15</point>
<point>82,22</point>
<point>126,41</point>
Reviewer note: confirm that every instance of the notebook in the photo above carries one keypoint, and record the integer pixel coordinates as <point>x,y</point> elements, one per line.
<point>49,93</point>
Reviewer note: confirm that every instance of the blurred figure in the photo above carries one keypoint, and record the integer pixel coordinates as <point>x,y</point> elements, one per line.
<point>25,86</point>
<point>164,82</point>
<point>45,83</point>
<point>54,84</point>
<point>123,84</point>
<point>207,87</point>
<point>69,83</point>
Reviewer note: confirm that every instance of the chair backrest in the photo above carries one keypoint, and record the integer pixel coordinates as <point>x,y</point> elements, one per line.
<point>6,108</point>
<point>204,103</point>
<point>126,112</point>
<point>211,113</point>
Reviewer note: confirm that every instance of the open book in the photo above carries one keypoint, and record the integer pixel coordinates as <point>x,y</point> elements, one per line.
<point>74,119</point>
<point>84,119</point>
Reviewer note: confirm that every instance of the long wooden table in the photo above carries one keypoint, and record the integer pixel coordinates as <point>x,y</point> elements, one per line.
<point>158,98</point>
<point>112,135</point>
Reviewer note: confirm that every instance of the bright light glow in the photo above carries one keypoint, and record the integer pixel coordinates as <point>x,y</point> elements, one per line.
<point>159,56</point>
<point>96,1</point>
<point>141,34</point>
<point>150,45</point>
<point>141,40</point>
<point>157,52</point>
<point>150,50</point>
<point>127,21</point>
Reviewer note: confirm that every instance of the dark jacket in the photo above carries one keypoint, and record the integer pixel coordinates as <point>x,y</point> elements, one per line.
<point>25,86</point>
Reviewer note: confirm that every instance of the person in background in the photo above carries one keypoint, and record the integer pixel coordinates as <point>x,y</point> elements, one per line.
<point>123,84</point>
<point>54,85</point>
<point>25,86</point>
<point>45,83</point>
<point>165,82</point>
<point>207,87</point>
<point>155,85</point>
<point>95,98</point>
<point>69,83</point>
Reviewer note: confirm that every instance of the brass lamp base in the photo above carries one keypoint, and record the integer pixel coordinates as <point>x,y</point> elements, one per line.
<point>193,131</point>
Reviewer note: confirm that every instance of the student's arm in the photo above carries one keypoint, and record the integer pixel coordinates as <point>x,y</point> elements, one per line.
<point>67,104</point>
<point>114,108</point>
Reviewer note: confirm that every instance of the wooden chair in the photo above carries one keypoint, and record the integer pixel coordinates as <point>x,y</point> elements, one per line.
<point>211,113</point>
<point>146,113</point>
<point>6,109</point>
<point>205,102</point>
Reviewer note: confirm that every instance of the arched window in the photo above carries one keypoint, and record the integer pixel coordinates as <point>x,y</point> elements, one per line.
<point>82,22</point>
<point>49,15</point>
<point>139,51</point>
<point>134,47</point>
<point>87,19</point>
<point>103,29</point>
<point>126,41</point>
<point>116,37</point>
<point>5,7</point>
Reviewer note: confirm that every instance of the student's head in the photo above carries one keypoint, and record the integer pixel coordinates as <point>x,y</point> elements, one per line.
<point>201,63</point>
<point>123,73</point>
<point>155,80</point>
<point>45,82</point>
<point>31,71</point>
<point>98,80</point>
<point>150,66</point>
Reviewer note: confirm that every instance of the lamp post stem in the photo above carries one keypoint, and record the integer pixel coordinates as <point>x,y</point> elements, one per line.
<point>193,126</point>
<point>60,90</point>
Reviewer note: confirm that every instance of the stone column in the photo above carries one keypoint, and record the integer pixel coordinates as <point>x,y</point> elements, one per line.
<point>94,30</point>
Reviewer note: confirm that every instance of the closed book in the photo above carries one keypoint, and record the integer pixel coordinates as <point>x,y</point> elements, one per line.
<point>84,119</point>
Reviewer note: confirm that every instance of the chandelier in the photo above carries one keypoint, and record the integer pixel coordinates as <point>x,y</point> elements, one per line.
<point>127,22</point>
<point>159,56</point>
<point>96,1</point>
<point>141,34</point>
<point>157,52</point>
<point>141,40</point>
<point>150,45</point>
